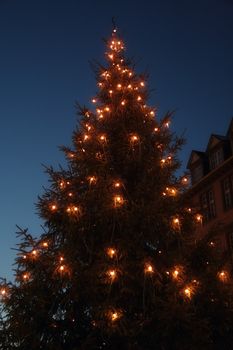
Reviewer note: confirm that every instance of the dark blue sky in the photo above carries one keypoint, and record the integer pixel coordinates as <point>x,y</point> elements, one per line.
<point>45,49</point>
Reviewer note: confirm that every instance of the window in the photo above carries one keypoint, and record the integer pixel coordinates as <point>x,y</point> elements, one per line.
<point>227,189</point>
<point>197,173</point>
<point>208,206</point>
<point>216,158</point>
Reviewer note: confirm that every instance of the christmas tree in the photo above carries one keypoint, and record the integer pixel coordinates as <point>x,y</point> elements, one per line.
<point>118,263</point>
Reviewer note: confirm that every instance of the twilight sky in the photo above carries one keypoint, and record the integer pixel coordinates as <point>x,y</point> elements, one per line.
<point>45,50</point>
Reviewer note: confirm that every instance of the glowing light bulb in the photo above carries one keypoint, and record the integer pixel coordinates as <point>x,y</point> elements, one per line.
<point>111,252</point>
<point>111,56</point>
<point>62,184</point>
<point>184,180</point>
<point>107,109</point>
<point>61,268</point>
<point>45,244</point>
<point>134,138</point>
<point>53,207</point>
<point>199,218</point>
<point>223,276</point>
<point>119,86</point>
<point>118,200</point>
<point>139,98</point>
<point>148,268</point>
<point>188,292</point>
<point>129,86</point>
<point>112,274</point>
<point>86,137</point>
<point>34,252</point>
<point>117,184</point>
<point>175,273</point>
<point>152,113</point>
<point>156,129</point>
<point>142,83</point>
<point>114,316</point>
<point>88,127</point>
<point>3,292</point>
<point>94,100</point>
<point>110,92</point>
<point>176,221</point>
<point>70,194</point>
<point>123,103</point>
<point>92,179</point>
<point>25,276</point>
<point>102,138</point>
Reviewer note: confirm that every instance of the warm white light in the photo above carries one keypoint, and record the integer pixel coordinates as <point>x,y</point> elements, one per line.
<point>114,316</point>
<point>102,138</point>
<point>134,138</point>
<point>148,268</point>
<point>188,292</point>
<point>111,252</point>
<point>25,276</point>
<point>223,276</point>
<point>92,179</point>
<point>199,218</point>
<point>112,274</point>
<point>3,292</point>
<point>118,200</point>
<point>62,183</point>
<point>34,252</point>
<point>86,137</point>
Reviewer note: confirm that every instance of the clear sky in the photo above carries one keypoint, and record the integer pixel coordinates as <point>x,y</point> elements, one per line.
<point>45,50</point>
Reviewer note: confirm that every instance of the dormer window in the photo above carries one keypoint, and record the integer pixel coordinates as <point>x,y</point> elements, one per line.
<point>216,158</point>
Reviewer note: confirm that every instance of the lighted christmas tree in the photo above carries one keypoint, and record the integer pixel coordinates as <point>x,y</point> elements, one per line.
<point>118,264</point>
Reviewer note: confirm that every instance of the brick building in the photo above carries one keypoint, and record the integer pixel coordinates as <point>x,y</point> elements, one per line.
<point>212,186</point>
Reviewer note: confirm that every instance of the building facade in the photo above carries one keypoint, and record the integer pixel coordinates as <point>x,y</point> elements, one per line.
<point>212,187</point>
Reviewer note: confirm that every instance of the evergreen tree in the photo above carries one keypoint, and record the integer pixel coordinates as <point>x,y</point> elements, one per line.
<point>118,264</point>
